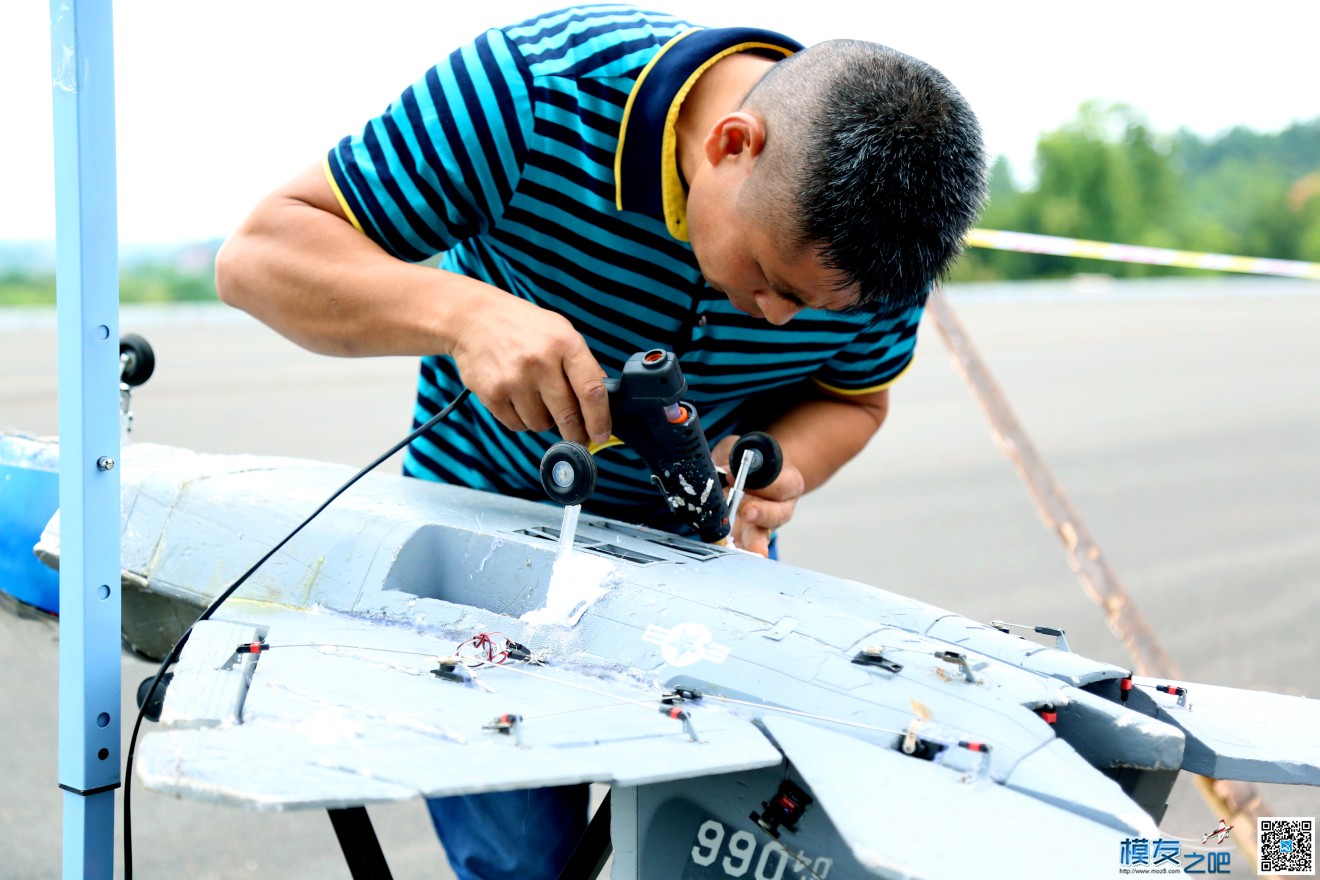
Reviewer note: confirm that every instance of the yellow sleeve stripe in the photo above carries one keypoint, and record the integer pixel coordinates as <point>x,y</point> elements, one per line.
<point>857,392</point>
<point>627,109</point>
<point>343,202</point>
<point>593,447</point>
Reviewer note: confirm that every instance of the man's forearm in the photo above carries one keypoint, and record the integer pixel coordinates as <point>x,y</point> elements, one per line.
<point>821,434</point>
<point>299,266</point>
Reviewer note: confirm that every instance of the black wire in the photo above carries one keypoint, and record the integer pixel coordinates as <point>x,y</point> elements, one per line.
<point>173,655</point>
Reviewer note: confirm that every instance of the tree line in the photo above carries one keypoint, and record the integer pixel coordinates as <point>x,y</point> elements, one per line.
<point>1107,176</point>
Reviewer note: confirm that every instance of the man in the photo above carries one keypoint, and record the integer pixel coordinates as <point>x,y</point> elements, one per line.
<point>634,183</point>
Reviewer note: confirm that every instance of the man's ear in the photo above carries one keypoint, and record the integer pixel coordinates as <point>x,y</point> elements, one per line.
<point>738,135</point>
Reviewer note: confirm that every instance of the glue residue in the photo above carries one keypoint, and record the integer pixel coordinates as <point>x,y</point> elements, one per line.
<point>577,581</point>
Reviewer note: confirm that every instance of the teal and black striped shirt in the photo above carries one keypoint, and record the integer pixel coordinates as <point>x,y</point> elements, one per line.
<point>538,158</point>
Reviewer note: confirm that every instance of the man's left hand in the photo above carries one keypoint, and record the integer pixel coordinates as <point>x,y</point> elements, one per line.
<point>762,510</point>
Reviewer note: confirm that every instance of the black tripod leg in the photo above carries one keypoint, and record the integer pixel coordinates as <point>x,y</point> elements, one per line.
<point>358,841</point>
<point>593,849</point>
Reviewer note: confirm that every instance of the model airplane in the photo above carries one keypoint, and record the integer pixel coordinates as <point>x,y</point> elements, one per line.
<point>753,718</point>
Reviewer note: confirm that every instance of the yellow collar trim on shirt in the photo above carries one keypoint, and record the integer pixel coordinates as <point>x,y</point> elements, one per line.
<point>627,111</point>
<point>673,193</point>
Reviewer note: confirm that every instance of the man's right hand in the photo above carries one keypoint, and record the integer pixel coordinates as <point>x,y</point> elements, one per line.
<point>298,264</point>
<point>532,369</point>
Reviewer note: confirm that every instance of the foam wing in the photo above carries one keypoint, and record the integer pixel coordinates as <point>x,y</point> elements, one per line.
<point>341,712</point>
<point>953,825</point>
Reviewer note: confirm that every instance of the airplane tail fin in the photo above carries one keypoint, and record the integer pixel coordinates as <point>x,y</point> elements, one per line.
<point>1237,734</point>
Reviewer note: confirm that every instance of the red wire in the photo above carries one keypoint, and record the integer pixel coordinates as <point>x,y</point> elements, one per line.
<point>485,640</point>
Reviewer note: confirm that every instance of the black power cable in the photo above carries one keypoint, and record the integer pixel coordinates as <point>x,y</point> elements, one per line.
<point>173,655</point>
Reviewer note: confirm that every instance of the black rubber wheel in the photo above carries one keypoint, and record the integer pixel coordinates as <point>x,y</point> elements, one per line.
<point>151,711</point>
<point>136,360</point>
<point>772,458</point>
<point>568,473</point>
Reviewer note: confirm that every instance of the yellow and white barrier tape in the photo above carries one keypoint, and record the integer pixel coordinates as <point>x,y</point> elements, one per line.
<point>1029,243</point>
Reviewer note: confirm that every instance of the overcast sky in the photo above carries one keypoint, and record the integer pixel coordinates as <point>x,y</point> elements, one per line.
<point>218,103</point>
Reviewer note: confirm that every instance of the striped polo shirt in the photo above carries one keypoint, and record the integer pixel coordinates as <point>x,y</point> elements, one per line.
<point>540,158</point>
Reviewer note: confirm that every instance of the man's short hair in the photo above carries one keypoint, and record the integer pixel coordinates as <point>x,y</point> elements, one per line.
<point>874,159</point>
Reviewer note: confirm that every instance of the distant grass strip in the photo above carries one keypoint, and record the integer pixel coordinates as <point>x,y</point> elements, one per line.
<point>140,284</point>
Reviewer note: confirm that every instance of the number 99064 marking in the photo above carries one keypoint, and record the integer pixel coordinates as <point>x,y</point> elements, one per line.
<point>736,854</point>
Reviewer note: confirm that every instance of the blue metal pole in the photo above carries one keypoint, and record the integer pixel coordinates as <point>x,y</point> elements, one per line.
<point>87,306</point>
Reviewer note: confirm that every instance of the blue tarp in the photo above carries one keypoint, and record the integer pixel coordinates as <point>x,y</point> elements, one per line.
<point>29,497</point>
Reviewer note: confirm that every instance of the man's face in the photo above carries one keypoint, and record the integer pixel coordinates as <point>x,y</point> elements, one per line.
<point>742,257</point>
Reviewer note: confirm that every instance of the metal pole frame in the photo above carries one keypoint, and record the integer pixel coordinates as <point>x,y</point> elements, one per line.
<point>87,306</point>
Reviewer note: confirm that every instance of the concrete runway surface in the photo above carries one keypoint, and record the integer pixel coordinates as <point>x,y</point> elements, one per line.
<point>1182,419</point>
